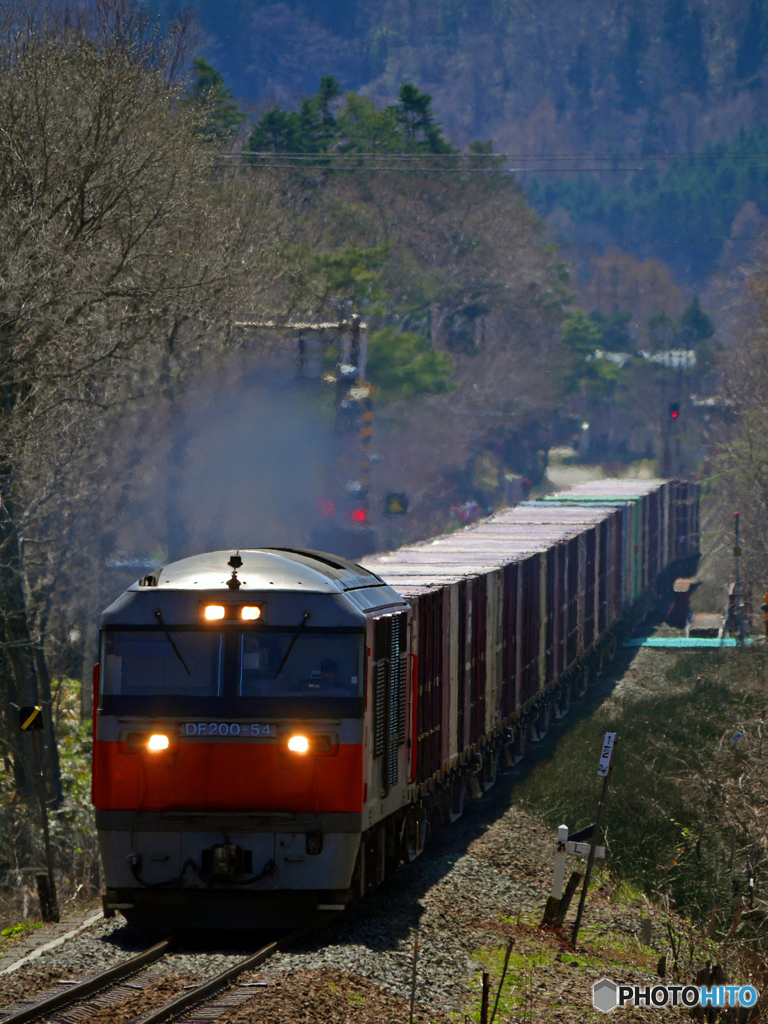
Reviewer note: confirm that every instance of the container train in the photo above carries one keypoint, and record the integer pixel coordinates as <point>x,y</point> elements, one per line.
<point>276,730</point>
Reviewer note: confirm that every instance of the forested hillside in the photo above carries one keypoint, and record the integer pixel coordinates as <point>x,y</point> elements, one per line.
<point>535,77</point>
<point>547,82</point>
<point>682,210</point>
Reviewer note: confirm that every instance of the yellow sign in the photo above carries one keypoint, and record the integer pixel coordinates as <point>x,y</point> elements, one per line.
<point>29,718</point>
<point>395,504</point>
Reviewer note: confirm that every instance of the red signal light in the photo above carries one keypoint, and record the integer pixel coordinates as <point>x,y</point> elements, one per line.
<point>358,515</point>
<point>675,414</point>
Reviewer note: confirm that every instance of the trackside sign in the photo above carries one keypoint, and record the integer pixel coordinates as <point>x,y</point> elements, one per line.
<point>608,995</point>
<point>605,754</point>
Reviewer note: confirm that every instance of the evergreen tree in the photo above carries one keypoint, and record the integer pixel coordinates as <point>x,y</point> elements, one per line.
<point>352,274</point>
<point>312,129</point>
<point>683,32</point>
<point>277,131</point>
<point>754,41</point>
<point>223,116</point>
<point>661,332</point>
<point>579,334</point>
<point>695,324</point>
<point>628,65</point>
<point>594,375</point>
<point>614,331</point>
<point>402,365</point>
<point>318,124</point>
<point>364,129</point>
<point>697,76</point>
<point>694,200</point>
<point>416,118</point>
<point>653,136</point>
<point>407,127</point>
<point>580,75</point>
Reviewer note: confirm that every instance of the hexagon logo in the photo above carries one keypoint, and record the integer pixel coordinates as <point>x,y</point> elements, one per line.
<point>604,995</point>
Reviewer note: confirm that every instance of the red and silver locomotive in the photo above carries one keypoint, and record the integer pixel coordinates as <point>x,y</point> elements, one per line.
<point>233,751</point>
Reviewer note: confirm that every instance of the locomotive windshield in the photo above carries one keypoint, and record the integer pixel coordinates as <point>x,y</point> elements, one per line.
<point>317,665</point>
<point>238,673</point>
<point>143,664</point>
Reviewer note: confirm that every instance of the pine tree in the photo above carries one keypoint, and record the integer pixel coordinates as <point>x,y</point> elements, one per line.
<point>683,32</point>
<point>402,365</point>
<point>311,129</point>
<point>408,126</point>
<point>223,116</point>
<point>628,64</point>
<point>754,41</point>
<point>654,134</point>
<point>695,323</point>
<point>579,334</point>
<point>580,75</point>
<point>318,123</point>
<point>415,117</point>
<point>278,131</point>
<point>614,331</point>
<point>364,129</point>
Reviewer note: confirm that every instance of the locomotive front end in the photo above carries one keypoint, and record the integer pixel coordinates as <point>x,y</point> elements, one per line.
<point>229,739</point>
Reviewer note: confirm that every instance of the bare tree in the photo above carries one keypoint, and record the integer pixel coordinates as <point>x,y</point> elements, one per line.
<point>742,433</point>
<point>121,256</point>
<point>464,264</point>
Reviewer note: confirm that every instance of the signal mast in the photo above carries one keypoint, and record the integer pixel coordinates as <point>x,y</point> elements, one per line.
<point>350,477</point>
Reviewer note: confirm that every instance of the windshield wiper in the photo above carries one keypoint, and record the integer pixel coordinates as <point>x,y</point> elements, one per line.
<point>176,650</point>
<point>294,638</point>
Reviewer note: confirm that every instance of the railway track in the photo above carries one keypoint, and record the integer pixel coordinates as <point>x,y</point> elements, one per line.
<point>111,988</point>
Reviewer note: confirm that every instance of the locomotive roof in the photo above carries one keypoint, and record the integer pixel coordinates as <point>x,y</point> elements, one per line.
<point>263,569</point>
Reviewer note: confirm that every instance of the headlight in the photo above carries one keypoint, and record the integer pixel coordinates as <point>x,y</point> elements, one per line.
<point>214,611</point>
<point>158,741</point>
<point>250,612</point>
<point>298,744</point>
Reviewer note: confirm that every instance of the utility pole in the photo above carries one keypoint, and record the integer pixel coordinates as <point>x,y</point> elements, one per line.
<point>673,415</point>
<point>738,606</point>
<point>604,771</point>
<point>31,721</point>
<point>354,415</point>
<point>353,419</point>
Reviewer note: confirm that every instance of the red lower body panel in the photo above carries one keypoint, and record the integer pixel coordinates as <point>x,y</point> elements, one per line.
<point>227,777</point>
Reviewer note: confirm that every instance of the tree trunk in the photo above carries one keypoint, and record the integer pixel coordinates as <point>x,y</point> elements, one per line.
<point>25,678</point>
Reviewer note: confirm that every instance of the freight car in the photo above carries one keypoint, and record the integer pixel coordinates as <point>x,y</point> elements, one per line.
<point>276,730</point>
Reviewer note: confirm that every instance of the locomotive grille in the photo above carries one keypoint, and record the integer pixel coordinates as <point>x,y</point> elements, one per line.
<point>392,766</point>
<point>379,705</point>
<point>389,693</point>
<point>400,673</point>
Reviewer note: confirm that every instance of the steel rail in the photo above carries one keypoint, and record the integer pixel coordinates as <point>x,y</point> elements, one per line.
<point>95,984</point>
<point>215,985</point>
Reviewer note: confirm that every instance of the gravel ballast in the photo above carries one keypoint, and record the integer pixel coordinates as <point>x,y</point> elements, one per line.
<point>481,880</point>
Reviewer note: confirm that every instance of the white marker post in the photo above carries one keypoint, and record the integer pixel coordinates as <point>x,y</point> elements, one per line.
<point>558,880</point>
<point>603,772</point>
<point>561,852</point>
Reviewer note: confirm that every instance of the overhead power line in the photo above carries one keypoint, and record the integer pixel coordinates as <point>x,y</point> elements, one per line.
<point>369,168</point>
<point>430,163</point>
<point>606,157</point>
<point>659,241</point>
<point>494,163</point>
